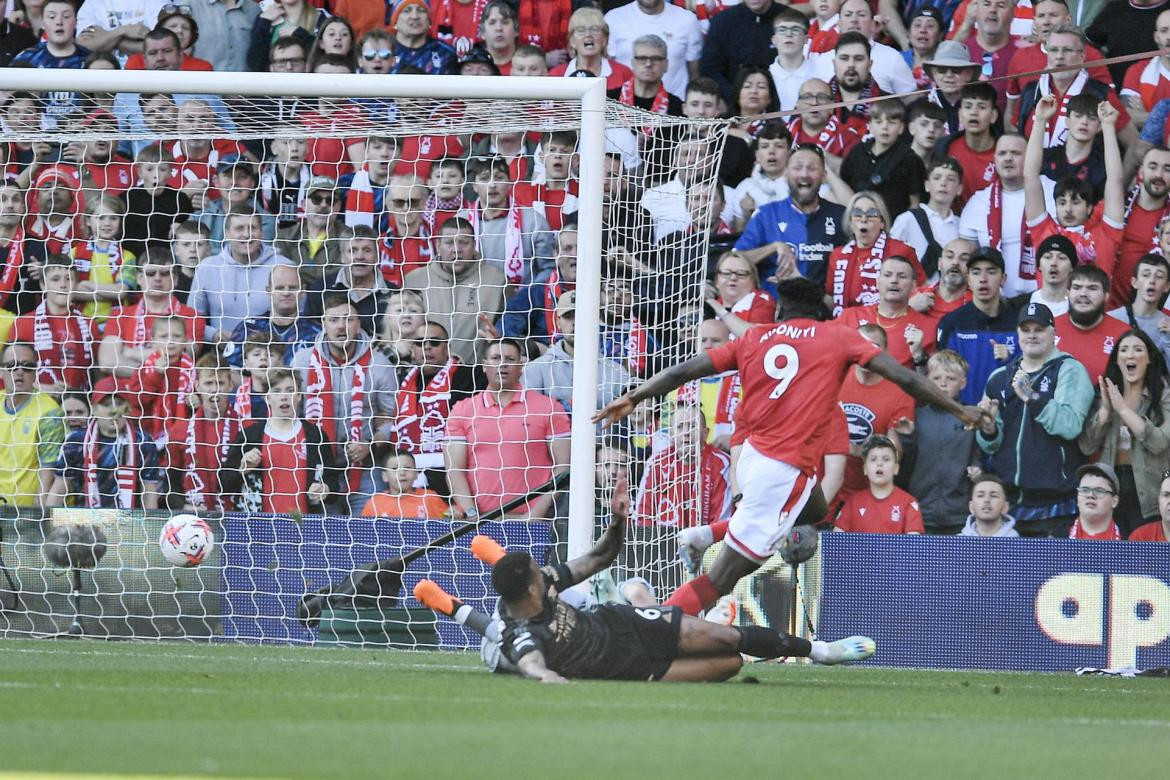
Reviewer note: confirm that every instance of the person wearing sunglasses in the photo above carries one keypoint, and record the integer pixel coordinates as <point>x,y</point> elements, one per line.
<point>316,242</point>
<point>31,430</point>
<point>854,268</point>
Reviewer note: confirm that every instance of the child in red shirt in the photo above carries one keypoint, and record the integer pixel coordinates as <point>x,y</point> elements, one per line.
<point>884,508</point>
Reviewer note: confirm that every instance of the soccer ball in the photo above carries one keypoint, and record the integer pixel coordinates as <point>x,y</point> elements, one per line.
<point>186,540</point>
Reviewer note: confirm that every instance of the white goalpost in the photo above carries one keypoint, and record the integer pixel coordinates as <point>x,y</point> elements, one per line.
<point>638,301</point>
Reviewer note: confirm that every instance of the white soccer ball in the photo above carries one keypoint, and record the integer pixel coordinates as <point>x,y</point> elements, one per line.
<point>186,540</point>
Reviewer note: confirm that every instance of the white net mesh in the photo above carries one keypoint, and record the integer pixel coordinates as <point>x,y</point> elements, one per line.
<point>282,315</point>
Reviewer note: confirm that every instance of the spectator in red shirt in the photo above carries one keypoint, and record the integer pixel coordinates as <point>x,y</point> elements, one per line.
<point>884,508</point>
<point>58,331</point>
<point>1158,530</point>
<point>1086,332</point>
<point>505,441</point>
<point>588,41</point>
<point>736,293</point>
<point>281,465</point>
<point>827,129</point>
<point>910,334</point>
<point>951,290</point>
<point>163,385</point>
<point>185,31</point>
<point>1097,236</point>
<point>1097,497</point>
<point>196,446</point>
<point>666,494</point>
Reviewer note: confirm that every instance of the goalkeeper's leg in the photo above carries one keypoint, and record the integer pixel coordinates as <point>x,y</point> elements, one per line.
<point>434,597</point>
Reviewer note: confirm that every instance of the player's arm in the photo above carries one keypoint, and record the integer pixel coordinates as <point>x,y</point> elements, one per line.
<point>532,666</point>
<point>656,386</point>
<point>604,553</point>
<point>921,388</point>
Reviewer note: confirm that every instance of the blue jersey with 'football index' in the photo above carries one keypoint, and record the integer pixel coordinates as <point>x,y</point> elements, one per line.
<point>811,236</point>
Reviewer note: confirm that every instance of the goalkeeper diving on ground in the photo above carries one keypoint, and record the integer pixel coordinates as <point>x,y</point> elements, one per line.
<point>545,637</point>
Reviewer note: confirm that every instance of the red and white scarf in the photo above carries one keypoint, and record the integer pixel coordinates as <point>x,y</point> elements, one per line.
<point>419,408</point>
<point>242,404</point>
<point>141,334</point>
<point>51,360</point>
<point>726,402</point>
<point>995,232</point>
<point>14,261</point>
<point>513,239</point>
<point>553,289</point>
<point>172,405</point>
<point>1057,133</point>
<point>194,485</point>
<point>661,98</point>
<point>448,207</point>
<point>83,252</point>
<point>320,405</point>
<point>1112,533</point>
<point>836,137</point>
<point>843,266</point>
<point>703,10</point>
<point>637,347</point>
<point>359,200</point>
<point>860,108</point>
<point>555,207</point>
<point>125,448</point>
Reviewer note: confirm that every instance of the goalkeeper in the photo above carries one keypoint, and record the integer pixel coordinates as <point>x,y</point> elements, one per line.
<point>550,640</point>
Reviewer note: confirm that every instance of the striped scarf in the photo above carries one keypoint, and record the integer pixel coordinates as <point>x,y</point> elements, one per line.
<point>125,450</point>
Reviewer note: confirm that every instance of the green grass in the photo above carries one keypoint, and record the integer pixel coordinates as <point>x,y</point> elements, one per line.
<point>248,711</point>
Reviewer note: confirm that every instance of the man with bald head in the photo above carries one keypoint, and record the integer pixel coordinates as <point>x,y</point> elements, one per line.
<point>283,320</point>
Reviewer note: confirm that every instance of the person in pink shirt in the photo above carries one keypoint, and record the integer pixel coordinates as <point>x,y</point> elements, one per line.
<point>505,441</point>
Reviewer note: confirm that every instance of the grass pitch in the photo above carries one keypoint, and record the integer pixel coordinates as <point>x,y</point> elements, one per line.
<point>121,709</point>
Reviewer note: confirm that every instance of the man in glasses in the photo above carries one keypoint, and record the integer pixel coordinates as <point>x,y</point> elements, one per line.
<point>950,69</point>
<point>126,342</point>
<point>792,67</point>
<point>408,244</point>
<point>646,90</point>
<point>1097,496</point>
<point>31,430</point>
<point>1036,406</point>
<point>315,243</point>
<point>673,24</point>
<point>426,393</point>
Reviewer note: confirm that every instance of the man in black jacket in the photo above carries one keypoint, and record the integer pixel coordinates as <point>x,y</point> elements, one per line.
<point>741,35</point>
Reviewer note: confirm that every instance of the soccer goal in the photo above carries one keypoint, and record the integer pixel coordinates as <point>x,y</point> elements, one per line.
<point>199,248</point>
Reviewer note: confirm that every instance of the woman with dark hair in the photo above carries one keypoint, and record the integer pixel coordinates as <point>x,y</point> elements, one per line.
<point>334,37</point>
<point>752,94</point>
<point>1129,426</point>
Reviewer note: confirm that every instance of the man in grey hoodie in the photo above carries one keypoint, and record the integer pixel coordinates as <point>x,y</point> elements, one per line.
<point>988,507</point>
<point>231,286</point>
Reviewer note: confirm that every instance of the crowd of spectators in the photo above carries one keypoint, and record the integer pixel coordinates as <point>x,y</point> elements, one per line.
<point>383,323</point>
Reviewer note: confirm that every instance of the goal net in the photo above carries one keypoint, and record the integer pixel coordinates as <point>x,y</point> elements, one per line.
<point>333,324</point>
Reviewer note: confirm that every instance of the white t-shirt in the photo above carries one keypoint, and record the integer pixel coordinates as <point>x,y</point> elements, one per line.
<point>788,83</point>
<point>888,69</point>
<point>667,206</point>
<point>945,230</point>
<point>973,225</point>
<point>108,14</point>
<point>1058,308</point>
<point>677,26</point>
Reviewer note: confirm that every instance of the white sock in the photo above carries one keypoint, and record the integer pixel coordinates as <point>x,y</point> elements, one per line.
<point>820,651</point>
<point>462,613</point>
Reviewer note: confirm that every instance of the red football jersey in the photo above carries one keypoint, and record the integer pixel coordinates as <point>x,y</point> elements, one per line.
<point>895,328</point>
<point>942,308</point>
<point>1091,347</point>
<point>1139,238</point>
<point>897,513</point>
<point>667,496</point>
<point>549,203</point>
<point>869,409</point>
<point>978,167</point>
<point>64,352</point>
<point>791,374</point>
<point>1096,242</point>
<point>286,473</point>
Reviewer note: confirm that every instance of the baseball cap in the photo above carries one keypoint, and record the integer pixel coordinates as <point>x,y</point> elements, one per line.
<point>478,54</point>
<point>321,183</point>
<point>232,161</point>
<point>567,302</point>
<point>987,254</point>
<point>105,388</point>
<point>931,12</point>
<point>1036,312</point>
<point>1058,243</point>
<point>1101,470</point>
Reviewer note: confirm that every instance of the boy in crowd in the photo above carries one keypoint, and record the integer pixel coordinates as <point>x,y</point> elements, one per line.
<point>974,145</point>
<point>446,199</point>
<point>59,333</point>
<point>1080,156</point>
<point>261,352</point>
<point>1151,284</point>
<point>165,382</point>
<point>556,196</point>
<point>111,463</point>
<point>930,226</point>
<point>883,508</point>
<point>767,182</point>
<point>284,181</point>
<point>401,499</point>
<point>196,447</point>
<point>191,243</point>
<point>106,271</point>
<point>988,505</point>
<point>152,208</point>
<point>885,162</point>
<point>281,465</point>
<point>926,123</point>
<point>940,483</point>
<point>1056,257</point>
